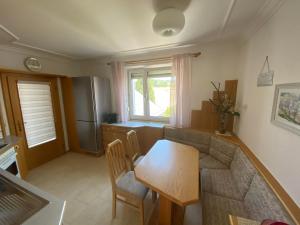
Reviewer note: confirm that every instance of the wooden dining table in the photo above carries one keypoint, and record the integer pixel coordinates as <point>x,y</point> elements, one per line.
<point>172,170</point>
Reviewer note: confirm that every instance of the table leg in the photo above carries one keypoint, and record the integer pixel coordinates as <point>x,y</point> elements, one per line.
<point>178,214</point>
<point>169,212</point>
<point>165,211</point>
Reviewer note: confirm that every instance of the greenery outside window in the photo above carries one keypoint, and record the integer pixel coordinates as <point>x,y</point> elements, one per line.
<point>150,93</point>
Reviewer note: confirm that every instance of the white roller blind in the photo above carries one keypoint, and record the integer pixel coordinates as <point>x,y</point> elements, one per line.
<point>37,111</point>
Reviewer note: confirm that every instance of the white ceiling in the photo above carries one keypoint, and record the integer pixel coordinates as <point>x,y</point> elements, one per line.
<point>93,28</point>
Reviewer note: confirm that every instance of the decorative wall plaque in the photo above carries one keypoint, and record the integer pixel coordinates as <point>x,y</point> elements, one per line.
<point>265,78</point>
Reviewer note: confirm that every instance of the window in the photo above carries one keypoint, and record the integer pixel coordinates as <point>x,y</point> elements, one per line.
<point>37,112</point>
<point>150,93</point>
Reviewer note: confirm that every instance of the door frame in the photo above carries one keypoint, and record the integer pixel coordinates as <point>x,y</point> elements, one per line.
<point>9,108</point>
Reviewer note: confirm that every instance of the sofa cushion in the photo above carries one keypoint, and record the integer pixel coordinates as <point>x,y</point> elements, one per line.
<point>201,147</point>
<point>202,155</point>
<point>217,208</point>
<point>220,182</point>
<point>198,139</point>
<point>211,163</point>
<point>261,203</point>
<point>242,171</point>
<point>222,150</point>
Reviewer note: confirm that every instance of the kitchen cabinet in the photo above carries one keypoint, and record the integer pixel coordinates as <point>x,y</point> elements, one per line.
<point>148,133</point>
<point>21,159</point>
<point>15,144</point>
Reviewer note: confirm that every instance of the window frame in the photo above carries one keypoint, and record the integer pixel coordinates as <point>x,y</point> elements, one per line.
<point>145,76</point>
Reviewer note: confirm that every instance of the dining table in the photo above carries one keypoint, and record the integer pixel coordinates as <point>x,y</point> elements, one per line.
<point>172,170</point>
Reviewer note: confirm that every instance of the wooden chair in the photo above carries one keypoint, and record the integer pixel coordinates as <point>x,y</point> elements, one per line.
<point>133,153</point>
<point>125,188</point>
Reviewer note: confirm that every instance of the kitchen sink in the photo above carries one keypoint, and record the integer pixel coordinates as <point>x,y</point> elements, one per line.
<point>16,203</point>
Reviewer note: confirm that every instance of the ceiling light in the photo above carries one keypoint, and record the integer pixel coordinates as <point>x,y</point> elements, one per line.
<point>168,22</point>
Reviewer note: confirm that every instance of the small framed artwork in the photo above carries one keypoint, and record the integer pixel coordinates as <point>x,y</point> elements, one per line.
<point>286,107</point>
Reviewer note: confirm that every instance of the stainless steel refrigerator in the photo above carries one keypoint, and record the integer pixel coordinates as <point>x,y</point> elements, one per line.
<point>92,97</point>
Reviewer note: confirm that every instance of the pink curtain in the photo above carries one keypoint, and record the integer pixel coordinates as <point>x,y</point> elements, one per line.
<point>120,90</point>
<point>181,91</point>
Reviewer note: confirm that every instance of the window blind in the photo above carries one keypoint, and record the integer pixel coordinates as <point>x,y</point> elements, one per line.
<point>37,112</point>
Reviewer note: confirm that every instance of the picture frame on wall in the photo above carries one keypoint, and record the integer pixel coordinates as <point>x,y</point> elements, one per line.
<point>286,107</point>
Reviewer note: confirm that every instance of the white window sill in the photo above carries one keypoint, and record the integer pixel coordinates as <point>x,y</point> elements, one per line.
<point>140,123</point>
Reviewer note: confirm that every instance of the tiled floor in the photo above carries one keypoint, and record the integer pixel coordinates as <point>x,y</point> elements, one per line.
<point>83,181</point>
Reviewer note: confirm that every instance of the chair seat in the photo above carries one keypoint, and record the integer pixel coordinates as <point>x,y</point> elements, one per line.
<point>138,160</point>
<point>128,183</point>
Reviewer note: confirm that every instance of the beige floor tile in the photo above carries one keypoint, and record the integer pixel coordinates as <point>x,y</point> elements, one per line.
<point>73,208</point>
<point>83,181</point>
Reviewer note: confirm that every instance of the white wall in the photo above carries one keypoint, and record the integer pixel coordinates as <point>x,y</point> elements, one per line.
<point>277,148</point>
<point>13,58</point>
<point>218,62</point>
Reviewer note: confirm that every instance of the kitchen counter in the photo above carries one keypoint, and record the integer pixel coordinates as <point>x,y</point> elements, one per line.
<point>148,133</point>
<point>10,142</point>
<point>50,214</point>
<point>136,124</point>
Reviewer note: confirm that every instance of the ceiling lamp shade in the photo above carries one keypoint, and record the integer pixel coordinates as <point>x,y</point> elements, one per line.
<point>168,22</point>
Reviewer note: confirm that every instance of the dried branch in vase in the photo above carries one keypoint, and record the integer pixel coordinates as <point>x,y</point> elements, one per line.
<point>224,106</point>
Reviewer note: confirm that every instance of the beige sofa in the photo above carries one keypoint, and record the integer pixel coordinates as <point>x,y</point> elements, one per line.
<point>230,184</point>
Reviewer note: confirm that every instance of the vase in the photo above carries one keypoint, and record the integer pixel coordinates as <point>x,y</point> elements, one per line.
<point>222,123</point>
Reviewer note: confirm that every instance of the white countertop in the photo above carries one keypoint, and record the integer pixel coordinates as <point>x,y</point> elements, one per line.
<point>51,214</point>
<point>135,124</point>
<point>10,142</point>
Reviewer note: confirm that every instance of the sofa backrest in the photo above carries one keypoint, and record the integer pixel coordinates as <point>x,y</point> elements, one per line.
<point>198,139</point>
<point>173,133</point>
<point>242,171</point>
<point>261,203</point>
<point>195,138</point>
<point>222,150</point>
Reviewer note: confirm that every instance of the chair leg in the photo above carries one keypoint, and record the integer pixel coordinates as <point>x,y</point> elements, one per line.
<point>142,213</point>
<point>154,196</point>
<point>114,203</point>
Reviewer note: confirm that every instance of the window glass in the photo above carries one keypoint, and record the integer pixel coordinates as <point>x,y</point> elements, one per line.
<point>159,96</point>
<point>150,93</point>
<point>137,96</point>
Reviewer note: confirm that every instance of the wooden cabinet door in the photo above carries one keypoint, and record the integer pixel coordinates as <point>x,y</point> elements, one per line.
<point>36,114</point>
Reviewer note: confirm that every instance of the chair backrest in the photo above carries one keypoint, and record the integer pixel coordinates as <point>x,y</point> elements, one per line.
<point>133,145</point>
<point>115,155</point>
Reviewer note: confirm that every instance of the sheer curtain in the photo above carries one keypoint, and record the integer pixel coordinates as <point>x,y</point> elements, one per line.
<point>181,91</point>
<point>120,90</point>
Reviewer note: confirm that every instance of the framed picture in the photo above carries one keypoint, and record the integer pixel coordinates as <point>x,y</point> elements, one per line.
<point>286,107</point>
